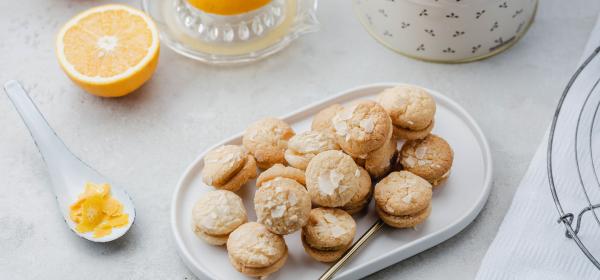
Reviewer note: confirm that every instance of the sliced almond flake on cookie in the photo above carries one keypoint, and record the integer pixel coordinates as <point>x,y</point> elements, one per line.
<point>422,162</point>
<point>325,185</point>
<point>293,199</point>
<point>345,115</point>
<point>336,177</point>
<point>357,173</point>
<point>330,218</point>
<point>322,229</point>
<point>368,125</point>
<point>340,128</point>
<point>420,152</point>
<point>410,161</point>
<point>209,221</point>
<point>269,250</point>
<point>338,231</point>
<point>278,211</point>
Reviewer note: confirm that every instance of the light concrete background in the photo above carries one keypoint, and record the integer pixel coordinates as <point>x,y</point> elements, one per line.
<point>144,141</point>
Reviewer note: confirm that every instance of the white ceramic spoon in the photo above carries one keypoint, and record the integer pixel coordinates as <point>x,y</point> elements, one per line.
<point>67,172</point>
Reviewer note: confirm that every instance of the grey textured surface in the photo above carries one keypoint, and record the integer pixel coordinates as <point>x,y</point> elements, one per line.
<point>144,141</point>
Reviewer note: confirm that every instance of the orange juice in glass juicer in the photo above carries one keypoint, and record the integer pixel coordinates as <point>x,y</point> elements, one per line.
<point>231,31</point>
<point>227,8</point>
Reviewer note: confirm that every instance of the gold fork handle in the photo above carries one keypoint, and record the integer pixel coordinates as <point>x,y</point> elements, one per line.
<point>355,247</point>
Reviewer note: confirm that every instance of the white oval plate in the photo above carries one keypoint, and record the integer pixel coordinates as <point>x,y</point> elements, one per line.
<point>455,204</point>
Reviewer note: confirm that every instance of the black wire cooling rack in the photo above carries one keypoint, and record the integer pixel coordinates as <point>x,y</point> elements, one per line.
<point>574,158</point>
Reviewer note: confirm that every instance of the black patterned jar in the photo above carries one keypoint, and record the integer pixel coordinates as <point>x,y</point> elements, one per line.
<point>450,31</point>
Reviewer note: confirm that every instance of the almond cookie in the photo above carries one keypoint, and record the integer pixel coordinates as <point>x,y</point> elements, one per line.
<point>304,146</point>
<point>362,129</point>
<point>281,171</point>
<point>282,205</point>
<point>216,214</point>
<point>267,140</point>
<point>332,178</point>
<point>228,167</point>
<point>379,162</point>
<point>255,251</point>
<point>322,120</point>
<point>411,108</point>
<point>431,158</point>
<point>247,173</point>
<point>328,234</point>
<point>407,134</point>
<point>403,199</point>
<point>361,199</point>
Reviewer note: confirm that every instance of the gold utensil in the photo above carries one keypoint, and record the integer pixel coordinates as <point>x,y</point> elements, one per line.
<point>355,247</point>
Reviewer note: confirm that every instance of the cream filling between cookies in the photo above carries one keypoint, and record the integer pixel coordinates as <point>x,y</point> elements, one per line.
<point>329,249</point>
<point>417,213</point>
<point>199,230</point>
<point>265,267</point>
<point>414,130</point>
<point>409,216</point>
<point>323,248</point>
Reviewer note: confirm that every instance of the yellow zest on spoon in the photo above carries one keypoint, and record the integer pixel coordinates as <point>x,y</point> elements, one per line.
<point>109,50</point>
<point>96,210</point>
<point>228,7</point>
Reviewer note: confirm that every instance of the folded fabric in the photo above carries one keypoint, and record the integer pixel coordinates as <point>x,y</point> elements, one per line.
<point>530,244</point>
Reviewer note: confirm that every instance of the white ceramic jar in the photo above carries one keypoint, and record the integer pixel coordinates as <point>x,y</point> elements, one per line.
<point>446,30</point>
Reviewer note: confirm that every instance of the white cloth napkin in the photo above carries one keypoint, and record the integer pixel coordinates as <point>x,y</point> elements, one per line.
<point>530,244</point>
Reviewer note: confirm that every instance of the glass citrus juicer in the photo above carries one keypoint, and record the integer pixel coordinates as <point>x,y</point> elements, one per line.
<point>231,31</point>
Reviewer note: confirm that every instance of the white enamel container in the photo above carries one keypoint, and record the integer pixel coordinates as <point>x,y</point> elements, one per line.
<point>446,30</point>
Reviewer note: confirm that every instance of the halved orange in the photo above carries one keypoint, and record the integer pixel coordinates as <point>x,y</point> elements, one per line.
<point>109,50</point>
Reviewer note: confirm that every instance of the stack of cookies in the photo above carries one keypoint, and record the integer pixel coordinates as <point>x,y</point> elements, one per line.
<point>314,181</point>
